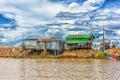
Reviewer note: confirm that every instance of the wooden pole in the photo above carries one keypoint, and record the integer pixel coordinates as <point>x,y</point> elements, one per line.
<point>55,47</point>
<point>45,47</point>
<point>103,39</point>
<point>23,41</point>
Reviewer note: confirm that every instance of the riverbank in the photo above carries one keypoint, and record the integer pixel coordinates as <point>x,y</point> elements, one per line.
<point>14,52</point>
<point>83,54</point>
<point>10,52</point>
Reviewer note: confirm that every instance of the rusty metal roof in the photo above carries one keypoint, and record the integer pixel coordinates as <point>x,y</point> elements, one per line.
<point>41,38</point>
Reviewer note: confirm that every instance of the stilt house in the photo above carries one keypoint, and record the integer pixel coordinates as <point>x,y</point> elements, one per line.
<point>79,41</point>
<point>45,44</point>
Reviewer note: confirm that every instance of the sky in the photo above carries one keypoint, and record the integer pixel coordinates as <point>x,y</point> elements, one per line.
<point>23,18</point>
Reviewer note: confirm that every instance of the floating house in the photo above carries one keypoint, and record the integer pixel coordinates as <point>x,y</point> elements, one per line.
<point>45,44</point>
<point>79,41</point>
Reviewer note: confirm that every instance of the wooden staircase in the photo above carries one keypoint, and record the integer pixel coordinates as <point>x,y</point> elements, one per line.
<point>23,53</point>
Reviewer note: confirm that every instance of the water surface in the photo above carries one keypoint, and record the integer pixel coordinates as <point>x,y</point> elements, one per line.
<point>66,69</point>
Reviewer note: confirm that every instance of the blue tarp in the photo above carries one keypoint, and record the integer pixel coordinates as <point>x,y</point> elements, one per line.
<point>30,39</point>
<point>97,35</point>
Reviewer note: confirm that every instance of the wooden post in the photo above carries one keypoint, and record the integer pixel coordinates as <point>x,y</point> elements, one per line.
<point>103,39</point>
<point>23,41</point>
<point>55,47</point>
<point>45,47</point>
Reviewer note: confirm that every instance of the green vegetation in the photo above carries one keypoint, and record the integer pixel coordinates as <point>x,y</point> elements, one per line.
<point>81,54</point>
<point>100,55</point>
<point>89,57</point>
<point>40,56</point>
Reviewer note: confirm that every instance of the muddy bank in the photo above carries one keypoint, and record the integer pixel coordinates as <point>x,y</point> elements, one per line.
<point>113,51</point>
<point>6,51</point>
<point>13,52</point>
<point>81,54</point>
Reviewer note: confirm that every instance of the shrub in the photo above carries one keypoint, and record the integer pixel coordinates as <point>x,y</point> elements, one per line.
<point>88,57</point>
<point>100,55</point>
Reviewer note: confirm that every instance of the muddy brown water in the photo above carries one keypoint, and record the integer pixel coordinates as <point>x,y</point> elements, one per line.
<point>66,69</point>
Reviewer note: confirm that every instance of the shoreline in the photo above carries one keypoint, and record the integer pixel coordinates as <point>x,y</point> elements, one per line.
<point>58,59</point>
<point>14,52</point>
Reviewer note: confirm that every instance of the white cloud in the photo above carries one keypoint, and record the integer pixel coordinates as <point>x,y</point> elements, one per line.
<point>33,15</point>
<point>87,6</point>
<point>66,21</point>
<point>29,14</point>
<point>118,32</point>
<point>105,23</point>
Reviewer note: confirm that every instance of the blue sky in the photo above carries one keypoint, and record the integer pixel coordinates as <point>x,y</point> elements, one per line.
<point>57,18</point>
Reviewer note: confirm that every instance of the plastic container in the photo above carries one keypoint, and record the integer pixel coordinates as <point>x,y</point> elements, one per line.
<point>113,56</point>
<point>108,55</point>
<point>101,48</point>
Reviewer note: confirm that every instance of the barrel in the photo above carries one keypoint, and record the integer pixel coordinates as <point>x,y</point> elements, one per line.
<point>108,56</point>
<point>114,56</point>
<point>101,48</point>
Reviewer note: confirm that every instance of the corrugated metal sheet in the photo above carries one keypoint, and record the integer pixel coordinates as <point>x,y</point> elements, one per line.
<point>52,44</point>
<point>78,41</point>
<point>30,43</point>
<point>41,38</point>
<point>79,36</point>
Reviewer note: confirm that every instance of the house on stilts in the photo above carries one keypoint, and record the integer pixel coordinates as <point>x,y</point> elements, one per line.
<point>43,44</point>
<point>79,41</point>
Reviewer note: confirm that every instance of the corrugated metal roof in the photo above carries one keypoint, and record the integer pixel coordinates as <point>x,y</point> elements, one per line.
<point>79,36</point>
<point>41,38</point>
<point>31,39</point>
<point>78,41</point>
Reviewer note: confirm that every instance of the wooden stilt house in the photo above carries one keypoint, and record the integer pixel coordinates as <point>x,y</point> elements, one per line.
<point>79,41</point>
<point>45,44</point>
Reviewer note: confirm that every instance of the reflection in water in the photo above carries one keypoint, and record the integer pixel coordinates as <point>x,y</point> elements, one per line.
<point>30,69</point>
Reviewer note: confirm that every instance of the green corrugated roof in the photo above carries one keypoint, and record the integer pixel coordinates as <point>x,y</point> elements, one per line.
<point>79,36</point>
<point>78,41</point>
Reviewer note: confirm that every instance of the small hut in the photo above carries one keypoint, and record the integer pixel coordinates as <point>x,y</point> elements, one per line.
<point>46,44</point>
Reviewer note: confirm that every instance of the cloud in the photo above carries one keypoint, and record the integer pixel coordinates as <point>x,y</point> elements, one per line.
<point>91,14</point>
<point>32,11</point>
<point>54,17</point>
<point>30,16</point>
<point>87,6</point>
